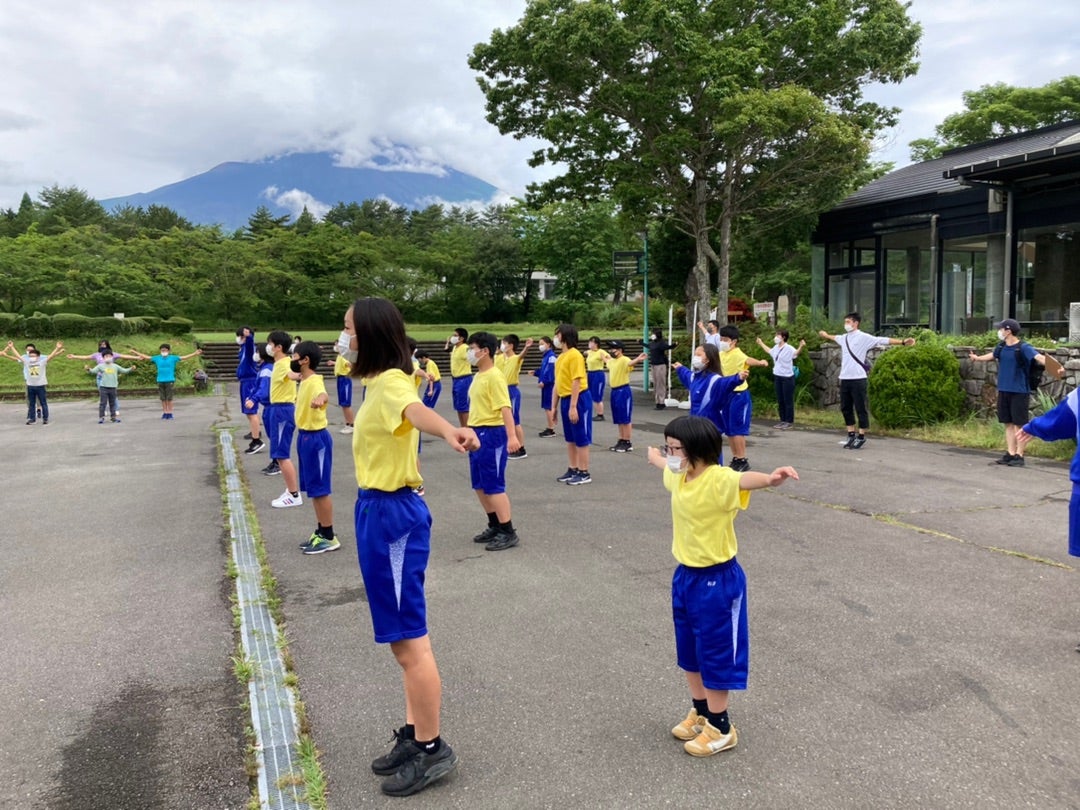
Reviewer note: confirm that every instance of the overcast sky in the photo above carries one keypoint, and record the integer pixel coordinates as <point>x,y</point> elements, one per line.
<point>118,97</point>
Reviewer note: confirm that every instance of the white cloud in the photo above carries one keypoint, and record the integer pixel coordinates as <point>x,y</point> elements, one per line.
<point>295,201</point>
<point>124,97</point>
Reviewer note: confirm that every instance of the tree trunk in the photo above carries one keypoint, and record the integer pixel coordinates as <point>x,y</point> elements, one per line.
<point>697,285</point>
<point>723,267</point>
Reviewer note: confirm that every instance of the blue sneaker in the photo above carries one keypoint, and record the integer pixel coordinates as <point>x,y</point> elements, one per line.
<point>582,477</point>
<point>566,476</point>
<point>321,544</point>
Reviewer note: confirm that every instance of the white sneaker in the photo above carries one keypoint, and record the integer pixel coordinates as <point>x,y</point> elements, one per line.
<point>347,429</point>
<point>287,499</point>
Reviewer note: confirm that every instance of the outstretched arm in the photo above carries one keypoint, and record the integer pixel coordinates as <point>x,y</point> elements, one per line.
<point>425,419</point>
<point>189,356</point>
<point>757,480</point>
<point>59,348</point>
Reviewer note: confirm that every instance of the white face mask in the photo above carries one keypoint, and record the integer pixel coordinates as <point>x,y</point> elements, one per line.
<point>675,464</point>
<point>239,340</point>
<point>776,340</point>
<point>454,340</point>
<point>503,347</point>
<point>849,327</point>
<point>108,362</point>
<point>164,353</point>
<point>558,343</point>
<point>269,349</point>
<point>724,346</point>
<point>470,356</point>
<point>1001,334</point>
<point>696,363</point>
<point>344,346</point>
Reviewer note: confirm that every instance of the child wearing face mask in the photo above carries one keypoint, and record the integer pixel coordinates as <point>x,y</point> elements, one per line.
<point>508,361</point>
<point>783,356</point>
<point>314,446</point>
<point>595,358</point>
<point>708,589</point>
<point>280,419</point>
<point>34,365</point>
<point>461,372</point>
<point>97,357</point>
<point>709,390</point>
<point>166,363</point>
<point>738,408</point>
<point>545,378</point>
<point>108,379</point>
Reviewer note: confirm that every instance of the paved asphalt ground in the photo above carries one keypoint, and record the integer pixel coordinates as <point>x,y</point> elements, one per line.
<point>913,624</point>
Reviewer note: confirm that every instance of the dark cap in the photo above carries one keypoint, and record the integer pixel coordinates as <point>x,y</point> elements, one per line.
<point>1009,324</point>
<point>615,344</point>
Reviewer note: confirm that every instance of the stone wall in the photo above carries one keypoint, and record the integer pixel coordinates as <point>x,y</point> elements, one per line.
<point>979,380</point>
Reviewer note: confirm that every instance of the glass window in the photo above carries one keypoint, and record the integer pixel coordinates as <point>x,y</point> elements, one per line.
<point>1047,277</point>
<point>965,287</point>
<point>838,255</point>
<point>863,254</point>
<point>907,278</point>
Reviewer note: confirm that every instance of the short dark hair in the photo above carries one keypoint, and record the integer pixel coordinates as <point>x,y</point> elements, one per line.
<point>412,343</point>
<point>700,438</point>
<point>783,333</point>
<point>106,353</point>
<point>380,338</point>
<point>462,332</point>
<point>513,340</point>
<point>714,322</point>
<point>546,340</point>
<point>165,346</point>
<point>30,346</point>
<point>569,335</point>
<point>484,340</point>
<point>265,356</point>
<point>730,332</point>
<point>279,338</point>
<point>853,316</point>
<point>712,358</point>
<point>595,339</point>
<point>423,354</point>
<point>309,349</point>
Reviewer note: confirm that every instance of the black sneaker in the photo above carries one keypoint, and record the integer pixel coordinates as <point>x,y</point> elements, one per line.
<point>388,764</point>
<point>1016,461</point>
<point>255,446</point>
<point>502,540</point>
<point>248,437</point>
<point>546,433</point>
<point>598,418</point>
<point>1005,459</point>
<point>519,453</point>
<point>740,464</point>
<point>487,535</point>
<point>617,447</point>
<point>860,440</point>
<point>419,770</point>
<point>660,406</point>
<point>273,468</point>
<point>850,441</point>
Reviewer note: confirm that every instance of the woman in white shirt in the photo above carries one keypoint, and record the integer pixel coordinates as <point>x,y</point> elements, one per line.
<point>783,356</point>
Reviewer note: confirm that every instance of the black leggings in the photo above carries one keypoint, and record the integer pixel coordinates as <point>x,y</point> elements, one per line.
<point>853,401</point>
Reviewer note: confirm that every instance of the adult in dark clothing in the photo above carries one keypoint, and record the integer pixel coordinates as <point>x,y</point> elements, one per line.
<point>658,360</point>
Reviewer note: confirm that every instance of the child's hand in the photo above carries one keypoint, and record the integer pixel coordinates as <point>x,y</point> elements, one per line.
<point>1022,438</point>
<point>655,457</point>
<point>781,474</point>
<point>319,401</point>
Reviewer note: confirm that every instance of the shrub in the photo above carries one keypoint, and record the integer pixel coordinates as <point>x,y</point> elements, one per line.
<point>38,325</point>
<point>153,322</point>
<point>177,325</point>
<point>916,386</point>
<point>10,323</point>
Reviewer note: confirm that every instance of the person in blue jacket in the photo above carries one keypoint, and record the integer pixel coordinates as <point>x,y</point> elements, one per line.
<point>709,390</point>
<point>261,396</point>
<point>546,380</point>
<point>247,374</point>
<point>1062,422</point>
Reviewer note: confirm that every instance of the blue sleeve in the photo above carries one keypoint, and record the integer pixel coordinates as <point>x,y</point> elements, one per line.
<point>683,373</point>
<point>1059,423</point>
<point>725,385</point>
<point>263,396</point>
<point>1029,352</point>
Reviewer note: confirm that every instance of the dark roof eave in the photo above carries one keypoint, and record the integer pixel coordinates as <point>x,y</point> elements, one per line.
<point>1002,168</point>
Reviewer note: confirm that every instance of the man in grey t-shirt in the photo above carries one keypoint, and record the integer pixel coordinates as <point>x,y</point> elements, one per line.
<point>854,346</point>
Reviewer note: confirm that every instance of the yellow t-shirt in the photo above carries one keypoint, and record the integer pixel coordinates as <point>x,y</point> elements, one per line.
<point>421,382</point>
<point>385,443</point>
<point>342,367</point>
<point>510,367</point>
<point>308,418</point>
<point>459,366</point>
<point>282,389</point>
<point>488,395</point>
<point>703,515</point>
<point>433,370</point>
<point>569,366</point>
<point>594,360</point>
<point>618,371</point>
<point>732,362</point>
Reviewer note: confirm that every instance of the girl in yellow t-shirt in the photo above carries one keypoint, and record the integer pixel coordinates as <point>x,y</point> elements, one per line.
<point>595,358</point>
<point>708,589</point>
<point>393,532</point>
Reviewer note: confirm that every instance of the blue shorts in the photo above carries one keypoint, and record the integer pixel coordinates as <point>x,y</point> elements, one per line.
<point>622,405</point>
<point>279,419</point>
<point>487,466</point>
<point>712,634</point>
<point>461,393</point>
<point>249,389</point>
<point>546,396</point>
<point>393,541</point>
<point>344,391</point>
<point>515,402</point>
<point>433,397</point>
<point>737,412</point>
<point>597,382</point>
<point>315,456</point>
<point>1074,521</point>
<point>581,433</point>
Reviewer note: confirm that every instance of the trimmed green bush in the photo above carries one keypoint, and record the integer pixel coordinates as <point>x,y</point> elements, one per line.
<point>916,386</point>
<point>38,325</point>
<point>10,323</point>
<point>177,325</point>
<point>71,325</point>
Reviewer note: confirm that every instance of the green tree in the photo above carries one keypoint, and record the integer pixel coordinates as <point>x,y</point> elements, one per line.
<point>696,108</point>
<point>263,222</point>
<point>997,110</point>
<point>69,207</point>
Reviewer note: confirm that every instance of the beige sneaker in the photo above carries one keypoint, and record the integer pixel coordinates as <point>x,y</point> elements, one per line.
<point>710,741</point>
<point>688,728</point>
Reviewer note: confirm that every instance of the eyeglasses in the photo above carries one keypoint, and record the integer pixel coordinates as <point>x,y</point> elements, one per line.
<point>670,450</point>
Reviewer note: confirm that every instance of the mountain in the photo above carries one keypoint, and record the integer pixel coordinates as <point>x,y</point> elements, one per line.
<point>229,193</point>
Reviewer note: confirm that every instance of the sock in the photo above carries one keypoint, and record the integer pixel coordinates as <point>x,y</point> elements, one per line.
<point>851,434</point>
<point>295,494</point>
<point>492,520</point>
<point>701,707</point>
<point>429,747</point>
<point>410,731</point>
<point>507,527</point>
<point>325,532</point>
<point>720,721</point>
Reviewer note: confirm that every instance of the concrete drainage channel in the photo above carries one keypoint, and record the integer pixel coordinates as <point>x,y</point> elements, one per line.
<point>273,711</point>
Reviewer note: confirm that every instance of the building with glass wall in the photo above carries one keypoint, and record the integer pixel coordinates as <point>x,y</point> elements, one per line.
<point>955,244</point>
